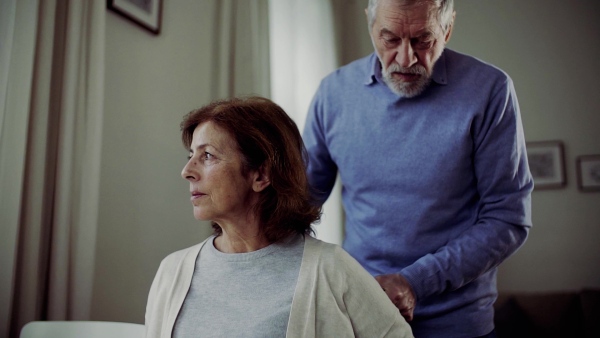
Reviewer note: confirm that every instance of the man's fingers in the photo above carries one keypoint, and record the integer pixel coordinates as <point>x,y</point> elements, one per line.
<point>405,306</point>
<point>399,292</point>
<point>408,315</point>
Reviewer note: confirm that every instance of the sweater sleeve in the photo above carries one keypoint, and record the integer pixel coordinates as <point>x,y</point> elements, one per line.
<point>321,169</point>
<point>504,185</point>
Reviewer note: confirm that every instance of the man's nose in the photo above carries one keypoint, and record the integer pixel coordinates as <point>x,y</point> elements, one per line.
<point>405,55</point>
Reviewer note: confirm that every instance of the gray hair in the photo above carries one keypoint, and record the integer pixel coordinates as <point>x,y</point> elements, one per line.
<point>445,9</point>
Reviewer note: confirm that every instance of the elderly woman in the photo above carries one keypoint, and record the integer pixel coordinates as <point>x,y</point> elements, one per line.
<point>260,274</point>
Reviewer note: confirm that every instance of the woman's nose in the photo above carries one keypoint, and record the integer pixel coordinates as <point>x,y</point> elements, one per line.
<point>189,173</point>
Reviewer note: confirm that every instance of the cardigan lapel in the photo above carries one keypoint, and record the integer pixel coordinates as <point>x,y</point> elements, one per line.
<point>181,285</point>
<point>302,315</point>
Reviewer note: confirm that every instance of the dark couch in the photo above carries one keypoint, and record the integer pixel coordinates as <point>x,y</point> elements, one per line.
<point>548,314</point>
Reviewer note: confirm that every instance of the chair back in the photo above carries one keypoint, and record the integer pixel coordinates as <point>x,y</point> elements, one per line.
<point>82,329</point>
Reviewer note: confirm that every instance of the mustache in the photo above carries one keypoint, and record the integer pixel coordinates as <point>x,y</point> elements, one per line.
<point>396,68</point>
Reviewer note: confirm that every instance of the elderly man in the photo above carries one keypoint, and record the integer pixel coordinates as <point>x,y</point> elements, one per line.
<point>430,149</point>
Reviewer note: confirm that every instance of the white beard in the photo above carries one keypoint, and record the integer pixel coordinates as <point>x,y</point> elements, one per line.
<point>406,89</point>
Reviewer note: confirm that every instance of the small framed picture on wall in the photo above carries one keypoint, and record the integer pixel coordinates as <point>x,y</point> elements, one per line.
<point>145,13</point>
<point>588,172</point>
<point>547,164</point>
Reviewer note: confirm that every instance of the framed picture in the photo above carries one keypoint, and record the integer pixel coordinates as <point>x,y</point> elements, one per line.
<point>588,172</point>
<point>547,164</point>
<point>146,13</point>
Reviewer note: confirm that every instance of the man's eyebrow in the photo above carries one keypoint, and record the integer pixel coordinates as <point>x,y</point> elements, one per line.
<point>424,33</point>
<point>385,31</point>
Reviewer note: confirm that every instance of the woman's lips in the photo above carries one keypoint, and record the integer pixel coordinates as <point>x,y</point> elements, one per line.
<point>196,195</point>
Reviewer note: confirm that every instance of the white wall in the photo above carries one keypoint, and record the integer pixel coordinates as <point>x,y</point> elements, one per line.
<point>550,49</point>
<point>145,213</point>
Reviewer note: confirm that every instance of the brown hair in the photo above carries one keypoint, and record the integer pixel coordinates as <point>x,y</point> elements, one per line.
<point>266,136</point>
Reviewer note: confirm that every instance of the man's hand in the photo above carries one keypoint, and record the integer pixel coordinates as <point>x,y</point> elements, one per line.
<point>400,293</point>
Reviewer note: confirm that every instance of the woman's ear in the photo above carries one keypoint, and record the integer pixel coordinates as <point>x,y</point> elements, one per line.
<point>262,179</point>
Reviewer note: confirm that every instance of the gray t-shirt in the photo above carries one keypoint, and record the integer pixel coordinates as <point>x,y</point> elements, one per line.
<point>241,295</point>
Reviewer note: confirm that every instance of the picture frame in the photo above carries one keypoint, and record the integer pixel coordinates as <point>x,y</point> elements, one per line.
<point>547,164</point>
<point>588,172</point>
<point>145,13</point>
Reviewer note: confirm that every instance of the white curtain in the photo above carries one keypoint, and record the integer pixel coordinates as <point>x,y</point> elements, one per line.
<point>17,41</point>
<point>302,48</point>
<point>51,113</point>
<point>242,58</point>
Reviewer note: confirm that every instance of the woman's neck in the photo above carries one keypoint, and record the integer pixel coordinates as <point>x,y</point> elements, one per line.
<point>236,241</point>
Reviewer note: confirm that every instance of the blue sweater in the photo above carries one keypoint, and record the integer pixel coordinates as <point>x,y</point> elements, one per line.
<point>435,187</point>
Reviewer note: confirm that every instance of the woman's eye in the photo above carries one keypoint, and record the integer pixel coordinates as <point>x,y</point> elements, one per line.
<point>207,155</point>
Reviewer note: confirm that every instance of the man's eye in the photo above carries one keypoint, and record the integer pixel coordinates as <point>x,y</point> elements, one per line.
<point>423,44</point>
<point>391,41</point>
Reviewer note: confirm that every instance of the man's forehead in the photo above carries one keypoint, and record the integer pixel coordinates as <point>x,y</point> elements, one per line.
<point>423,13</point>
<point>400,20</point>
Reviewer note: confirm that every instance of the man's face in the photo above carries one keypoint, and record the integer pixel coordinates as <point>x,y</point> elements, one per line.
<point>408,42</point>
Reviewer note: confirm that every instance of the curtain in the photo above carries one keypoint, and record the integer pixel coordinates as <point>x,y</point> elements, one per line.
<point>303,51</point>
<point>52,92</point>
<point>241,56</point>
<point>17,40</point>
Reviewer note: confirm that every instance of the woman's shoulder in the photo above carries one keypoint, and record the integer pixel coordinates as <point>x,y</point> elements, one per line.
<point>320,248</point>
<point>364,302</point>
<point>330,255</point>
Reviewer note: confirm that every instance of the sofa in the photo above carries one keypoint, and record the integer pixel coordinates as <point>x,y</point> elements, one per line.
<point>548,314</point>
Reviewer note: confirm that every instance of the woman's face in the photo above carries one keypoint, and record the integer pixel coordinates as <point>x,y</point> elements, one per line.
<point>219,191</point>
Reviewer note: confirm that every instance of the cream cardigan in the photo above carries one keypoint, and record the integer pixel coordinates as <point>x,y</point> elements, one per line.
<point>334,297</point>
